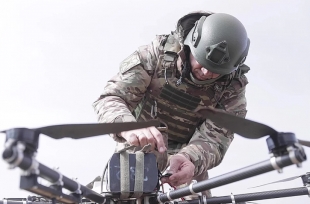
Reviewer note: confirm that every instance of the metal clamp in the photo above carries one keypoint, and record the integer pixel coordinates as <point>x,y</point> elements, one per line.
<point>78,190</point>
<point>11,159</point>
<point>9,143</point>
<point>33,169</point>
<point>191,188</point>
<point>158,198</point>
<point>275,165</point>
<point>59,182</point>
<point>168,196</point>
<point>308,188</point>
<point>292,155</point>
<point>18,155</point>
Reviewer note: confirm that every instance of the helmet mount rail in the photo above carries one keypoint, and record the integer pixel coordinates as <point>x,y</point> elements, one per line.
<point>196,36</point>
<point>218,53</point>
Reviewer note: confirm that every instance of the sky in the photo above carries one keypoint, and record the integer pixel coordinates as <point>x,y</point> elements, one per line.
<point>56,57</point>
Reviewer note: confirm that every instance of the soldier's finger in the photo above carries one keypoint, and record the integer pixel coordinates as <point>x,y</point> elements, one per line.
<point>179,178</point>
<point>182,176</point>
<point>158,139</point>
<point>175,165</point>
<point>132,139</point>
<point>150,138</point>
<point>142,138</point>
<point>164,180</point>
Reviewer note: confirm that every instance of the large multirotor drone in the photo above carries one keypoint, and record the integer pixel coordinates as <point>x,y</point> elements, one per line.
<point>134,177</point>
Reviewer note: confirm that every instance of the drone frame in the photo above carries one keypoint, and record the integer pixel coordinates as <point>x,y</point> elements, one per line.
<point>22,144</point>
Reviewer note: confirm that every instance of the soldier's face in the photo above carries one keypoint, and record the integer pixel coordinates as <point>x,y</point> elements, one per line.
<point>200,72</point>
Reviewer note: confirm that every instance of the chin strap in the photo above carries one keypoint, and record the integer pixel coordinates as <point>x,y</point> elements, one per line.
<point>186,68</point>
<point>204,82</point>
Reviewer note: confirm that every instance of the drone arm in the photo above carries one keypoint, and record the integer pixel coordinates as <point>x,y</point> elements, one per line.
<point>33,169</point>
<point>250,196</point>
<point>8,201</point>
<point>247,172</point>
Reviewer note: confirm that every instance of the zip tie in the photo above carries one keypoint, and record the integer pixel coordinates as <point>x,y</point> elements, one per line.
<point>232,198</point>
<point>204,199</point>
<point>191,189</point>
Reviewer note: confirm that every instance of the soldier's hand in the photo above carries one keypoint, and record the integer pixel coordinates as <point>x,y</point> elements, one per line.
<point>182,170</point>
<point>144,136</point>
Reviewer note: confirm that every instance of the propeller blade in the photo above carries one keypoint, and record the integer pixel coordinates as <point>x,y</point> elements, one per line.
<point>91,184</point>
<point>283,180</point>
<point>243,127</point>
<point>79,131</point>
<point>304,142</point>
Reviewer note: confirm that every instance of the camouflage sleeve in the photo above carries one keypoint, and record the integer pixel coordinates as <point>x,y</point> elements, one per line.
<point>210,142</point>
<point>121,95</point>
<point>124,91</point>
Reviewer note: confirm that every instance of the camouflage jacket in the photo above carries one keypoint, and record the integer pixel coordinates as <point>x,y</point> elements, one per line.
<point>142,79</point>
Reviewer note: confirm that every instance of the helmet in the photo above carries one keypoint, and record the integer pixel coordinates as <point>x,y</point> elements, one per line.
<point>218,42</point>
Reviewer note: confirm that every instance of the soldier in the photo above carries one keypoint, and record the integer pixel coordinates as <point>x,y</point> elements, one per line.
<point>198,65</point>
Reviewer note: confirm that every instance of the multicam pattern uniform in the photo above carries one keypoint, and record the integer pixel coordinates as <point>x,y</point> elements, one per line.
<point>141,84</point>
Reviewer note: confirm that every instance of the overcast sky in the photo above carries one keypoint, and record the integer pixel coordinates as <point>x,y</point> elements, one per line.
<point>56,56</point>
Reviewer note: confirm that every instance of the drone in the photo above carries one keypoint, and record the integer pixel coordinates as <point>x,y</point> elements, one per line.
<point>133,178</point>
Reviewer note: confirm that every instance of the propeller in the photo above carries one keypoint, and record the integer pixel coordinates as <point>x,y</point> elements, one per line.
<point>304,142</point>
<point>243,127</point>
<point>91,184</point>
<point>79,131</point>
<point>282,180</point>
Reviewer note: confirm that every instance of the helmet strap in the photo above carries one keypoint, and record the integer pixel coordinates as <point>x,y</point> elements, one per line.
<point>185,66</point>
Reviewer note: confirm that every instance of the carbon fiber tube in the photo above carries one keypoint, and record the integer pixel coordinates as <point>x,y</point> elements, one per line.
<point>247,172</point>
<point>252,196</point>
<point>195,201</point>
<point>21,202</point>
<point>261,195</point>
<point>53,176</point>
<point>13,202</point>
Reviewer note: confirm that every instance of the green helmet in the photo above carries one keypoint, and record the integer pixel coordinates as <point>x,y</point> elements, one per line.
<point>218,42</point>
